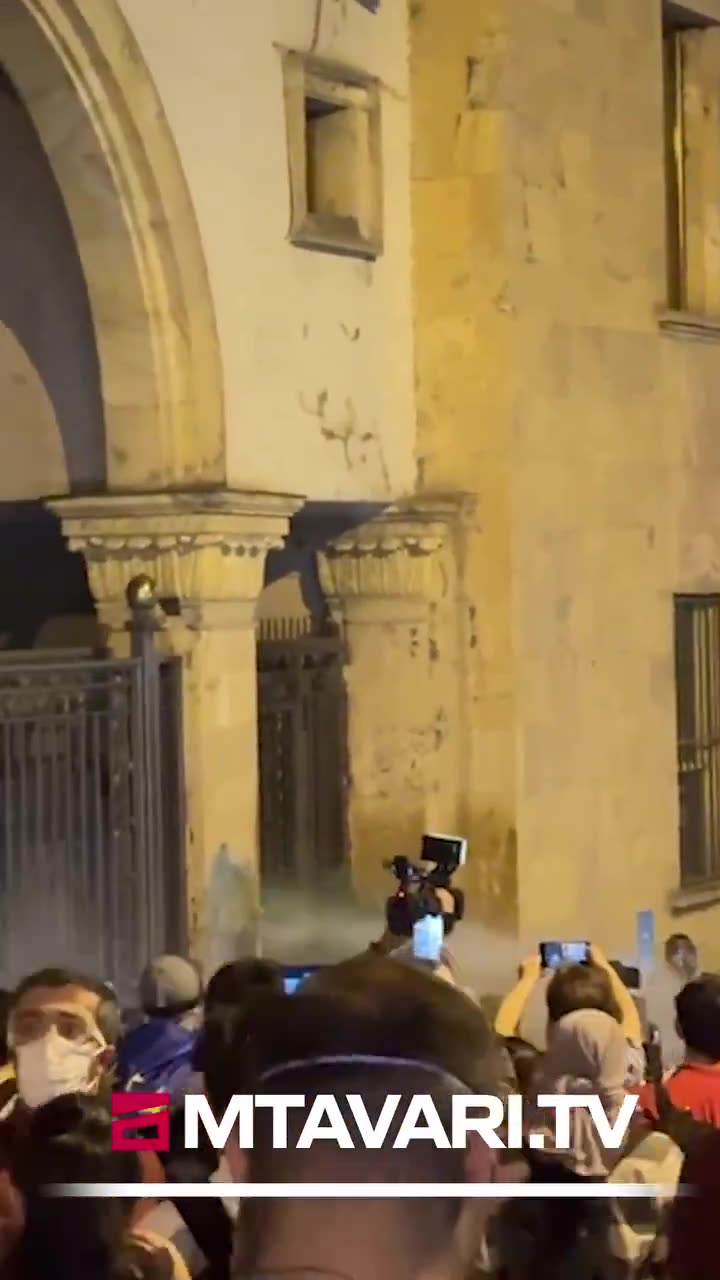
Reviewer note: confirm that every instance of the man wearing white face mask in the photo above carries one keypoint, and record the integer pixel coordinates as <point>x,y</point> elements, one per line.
<point>58,1049</point>
<point>62,1029</point>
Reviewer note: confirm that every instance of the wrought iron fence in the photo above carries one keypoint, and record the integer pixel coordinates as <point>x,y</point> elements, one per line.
<point>302,719</point>
<point>92,866</point>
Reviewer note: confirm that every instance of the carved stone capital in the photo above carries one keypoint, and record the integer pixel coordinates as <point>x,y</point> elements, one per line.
<point>197,548</point>
<point>395,558</point>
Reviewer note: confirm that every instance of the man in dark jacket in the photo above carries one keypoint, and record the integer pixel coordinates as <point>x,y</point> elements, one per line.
<point>157,1056</point>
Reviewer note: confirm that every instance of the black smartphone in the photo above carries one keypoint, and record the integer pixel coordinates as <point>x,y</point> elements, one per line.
<point>553,954</point>
<point>628,974</point>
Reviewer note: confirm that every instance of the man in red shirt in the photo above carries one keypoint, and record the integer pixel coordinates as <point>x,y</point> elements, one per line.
<point>694,1086</point>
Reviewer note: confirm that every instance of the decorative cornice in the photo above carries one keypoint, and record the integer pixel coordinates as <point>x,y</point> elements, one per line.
<point>393,557</point>
<point>195,548</point>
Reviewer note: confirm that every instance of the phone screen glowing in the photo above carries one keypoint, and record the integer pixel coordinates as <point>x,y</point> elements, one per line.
<point>428,938</point>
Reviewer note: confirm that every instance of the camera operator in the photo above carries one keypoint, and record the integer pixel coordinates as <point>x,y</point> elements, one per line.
<point>421,894</point>
<point>445,967</point>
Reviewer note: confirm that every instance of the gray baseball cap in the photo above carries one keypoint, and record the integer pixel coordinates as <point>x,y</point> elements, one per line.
<point>170,984</point>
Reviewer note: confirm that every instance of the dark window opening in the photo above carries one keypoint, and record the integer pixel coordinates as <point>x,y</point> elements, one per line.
<point>697,676</point>
<point>682,17</point>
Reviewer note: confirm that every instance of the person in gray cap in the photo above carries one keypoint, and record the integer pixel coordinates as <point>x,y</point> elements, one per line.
<point>158,1055</point>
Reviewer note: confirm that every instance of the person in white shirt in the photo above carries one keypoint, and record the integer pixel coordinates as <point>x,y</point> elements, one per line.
<point>681,965</point>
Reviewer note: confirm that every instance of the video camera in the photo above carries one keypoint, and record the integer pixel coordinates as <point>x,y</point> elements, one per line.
<point>417,894</point>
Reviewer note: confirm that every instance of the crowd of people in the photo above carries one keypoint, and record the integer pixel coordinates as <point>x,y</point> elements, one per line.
<point>371,1026</point>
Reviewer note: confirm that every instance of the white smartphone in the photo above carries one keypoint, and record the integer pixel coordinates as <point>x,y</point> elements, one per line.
<point>428,935</point>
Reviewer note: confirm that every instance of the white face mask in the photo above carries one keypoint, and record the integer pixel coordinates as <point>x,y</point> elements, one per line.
<point>52,1066</point>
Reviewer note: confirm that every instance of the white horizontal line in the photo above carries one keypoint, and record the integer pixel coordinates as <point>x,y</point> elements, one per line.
<point>365,1191</point>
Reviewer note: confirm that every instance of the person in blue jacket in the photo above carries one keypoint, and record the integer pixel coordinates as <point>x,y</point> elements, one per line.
<point>157,1056</point>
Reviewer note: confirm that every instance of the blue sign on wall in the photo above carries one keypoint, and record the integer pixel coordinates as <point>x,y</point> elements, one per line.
<point>646,940</point>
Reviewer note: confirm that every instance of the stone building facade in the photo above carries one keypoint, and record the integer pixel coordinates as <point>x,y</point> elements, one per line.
<point>412,265</point>
<point>568,383</point>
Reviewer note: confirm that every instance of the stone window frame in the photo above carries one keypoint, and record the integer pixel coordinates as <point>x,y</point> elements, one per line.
<point>681,317</point>
<point>339,86</point>
<point>696,619</point>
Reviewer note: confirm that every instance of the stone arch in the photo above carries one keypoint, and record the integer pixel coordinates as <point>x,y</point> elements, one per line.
<point>53,432</point>
<point>83,80</point>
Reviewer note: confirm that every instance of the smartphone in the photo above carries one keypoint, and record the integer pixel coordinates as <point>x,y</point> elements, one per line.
<point>553,954</point>
<point>628,974</point>
<point>294,977</point>
<point>428,938</point>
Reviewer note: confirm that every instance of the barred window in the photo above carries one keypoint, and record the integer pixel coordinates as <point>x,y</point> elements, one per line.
<point>697,676</point>
<point>692,157</point>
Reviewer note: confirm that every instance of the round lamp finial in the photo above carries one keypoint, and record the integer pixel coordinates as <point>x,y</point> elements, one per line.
<point>140,593</point>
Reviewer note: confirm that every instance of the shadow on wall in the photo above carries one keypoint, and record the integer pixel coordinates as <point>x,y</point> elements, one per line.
<point>316,524</point>
<point>48,362</point>
<point>39,578</point>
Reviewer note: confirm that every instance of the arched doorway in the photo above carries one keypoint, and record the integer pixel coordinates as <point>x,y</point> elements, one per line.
<point>95,110</point>
<point>52,429</point>
<point>134,405</point>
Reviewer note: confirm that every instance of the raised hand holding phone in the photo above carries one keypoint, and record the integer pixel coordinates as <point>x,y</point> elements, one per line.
<point>428,934</point>
<point>554,954</point>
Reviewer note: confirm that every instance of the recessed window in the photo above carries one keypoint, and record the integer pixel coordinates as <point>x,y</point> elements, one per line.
<point>335,159</point>
<point>697,684</point>
<point>692,157</point>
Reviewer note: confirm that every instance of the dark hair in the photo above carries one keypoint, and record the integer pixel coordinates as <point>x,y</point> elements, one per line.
<point>525,1059</point>
<point>373,1008</point>
<point>698,1014</point>
<point>369,1005</point>
<point>108,1015</point>
<point>231,996</point>
<point>70,1141</point>
<point>234,981</point>
<point>451,918</point>
<point>678,940</point>
<point>581,986</point>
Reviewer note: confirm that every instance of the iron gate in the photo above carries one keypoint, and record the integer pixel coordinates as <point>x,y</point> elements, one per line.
<point>92,867</point>
<point>302,721</point>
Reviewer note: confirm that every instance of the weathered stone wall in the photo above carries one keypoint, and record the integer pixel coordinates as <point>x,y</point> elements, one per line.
<point>465,354</point>
<point>586,435</point>
<point>316,348</point>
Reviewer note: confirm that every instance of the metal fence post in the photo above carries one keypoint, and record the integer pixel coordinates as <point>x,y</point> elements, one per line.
<point>143,604</point>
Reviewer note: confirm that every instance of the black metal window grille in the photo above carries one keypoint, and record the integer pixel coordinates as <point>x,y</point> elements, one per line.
<point>697,680</point>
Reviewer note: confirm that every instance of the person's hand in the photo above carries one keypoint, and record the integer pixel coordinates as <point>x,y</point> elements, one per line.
<point>388,943</point>
<point>598,957</point>
<point>531,968</point>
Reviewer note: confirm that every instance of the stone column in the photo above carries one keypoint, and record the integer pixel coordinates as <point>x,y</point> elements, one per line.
<point>206,557</point>
<point>383,582</point>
